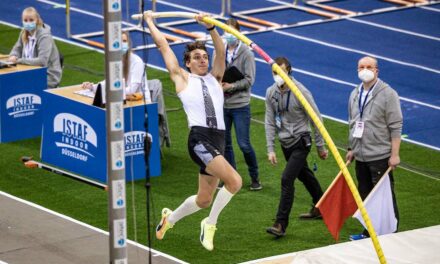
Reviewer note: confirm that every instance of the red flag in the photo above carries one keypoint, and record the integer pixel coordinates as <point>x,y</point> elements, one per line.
<point>336,205</point>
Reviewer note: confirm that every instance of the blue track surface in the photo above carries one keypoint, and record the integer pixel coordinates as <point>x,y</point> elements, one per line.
<point>409,19</point>
<point>286,16</point>
<point>360,5</point>
<point>325,49</point>
<point>375,40</point>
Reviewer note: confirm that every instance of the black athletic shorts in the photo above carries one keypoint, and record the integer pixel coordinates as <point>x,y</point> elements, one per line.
<point>204,144</point>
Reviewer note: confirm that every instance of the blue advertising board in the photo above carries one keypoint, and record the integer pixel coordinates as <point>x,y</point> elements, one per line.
<point>21,102</point>
<point>74,137</point>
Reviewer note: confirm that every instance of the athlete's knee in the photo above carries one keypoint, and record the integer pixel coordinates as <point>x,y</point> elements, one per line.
<point>233,185</point>
<point>203,201</point>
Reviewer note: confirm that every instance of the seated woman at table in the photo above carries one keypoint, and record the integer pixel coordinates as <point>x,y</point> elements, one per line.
<point>134,74</point>
<point>35,46</point>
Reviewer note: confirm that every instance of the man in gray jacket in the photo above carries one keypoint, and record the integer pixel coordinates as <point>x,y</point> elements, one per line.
<point>375,123</point>
<point>35,46</point>
<point>286,117</point>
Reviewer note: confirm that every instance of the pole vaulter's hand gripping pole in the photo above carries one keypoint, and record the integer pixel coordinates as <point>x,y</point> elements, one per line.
<point>323,131</point>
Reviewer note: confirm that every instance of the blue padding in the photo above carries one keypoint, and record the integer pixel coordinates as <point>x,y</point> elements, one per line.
<point>409,19</point>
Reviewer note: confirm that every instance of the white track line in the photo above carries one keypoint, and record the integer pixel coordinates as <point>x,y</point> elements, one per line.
<point>356,51</point>
<point>430,8</point>
<point>86,225</point>
<point>393,29</point>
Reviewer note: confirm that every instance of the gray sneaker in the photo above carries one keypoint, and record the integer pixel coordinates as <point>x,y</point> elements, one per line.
<point>255,186</point>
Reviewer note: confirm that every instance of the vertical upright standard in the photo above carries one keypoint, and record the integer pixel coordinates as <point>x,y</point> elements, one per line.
<point>114,87</point>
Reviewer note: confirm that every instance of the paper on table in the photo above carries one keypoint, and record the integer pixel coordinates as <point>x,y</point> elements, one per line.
<point>86,93</point>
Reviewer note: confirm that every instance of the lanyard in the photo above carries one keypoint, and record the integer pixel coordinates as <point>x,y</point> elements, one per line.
<point>29,48</point>
<point>288,100</point>
<point>362,106</point>
<point>280,102</point>
<point>234,53</point>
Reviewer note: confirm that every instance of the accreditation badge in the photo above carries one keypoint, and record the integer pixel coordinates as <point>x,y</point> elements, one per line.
<point>278,121</point>
<point>358,129</point>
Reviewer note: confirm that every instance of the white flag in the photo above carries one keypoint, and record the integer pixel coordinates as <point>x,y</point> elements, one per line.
<point>380,208</point>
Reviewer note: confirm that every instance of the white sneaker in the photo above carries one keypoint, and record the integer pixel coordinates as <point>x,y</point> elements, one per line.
<point>207,233</point>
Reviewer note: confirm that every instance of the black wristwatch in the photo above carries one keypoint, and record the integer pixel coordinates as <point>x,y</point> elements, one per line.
<point>211,28</point>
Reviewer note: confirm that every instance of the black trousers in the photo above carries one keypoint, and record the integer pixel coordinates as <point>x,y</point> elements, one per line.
<point>296,167</point>
<point>368,175</point>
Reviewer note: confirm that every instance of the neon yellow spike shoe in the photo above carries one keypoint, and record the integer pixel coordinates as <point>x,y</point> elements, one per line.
<point>207,234</point>
<point>163,225</point>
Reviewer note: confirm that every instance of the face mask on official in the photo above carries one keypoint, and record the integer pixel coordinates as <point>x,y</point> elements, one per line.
<point>366,75</point>
<point>230,39</point>
<point>29,26</point>
<point>278,80</point>
<point>124,47</point>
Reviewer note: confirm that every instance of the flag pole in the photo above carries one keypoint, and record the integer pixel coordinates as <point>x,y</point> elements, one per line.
<point>331,186</point>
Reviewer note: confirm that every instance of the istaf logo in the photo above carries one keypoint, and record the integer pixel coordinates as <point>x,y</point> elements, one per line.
<point>134,142</point>
<point>74,136</point>
<point>22,105</point>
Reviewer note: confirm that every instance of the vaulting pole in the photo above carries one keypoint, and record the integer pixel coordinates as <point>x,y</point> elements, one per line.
<point>323,131</point>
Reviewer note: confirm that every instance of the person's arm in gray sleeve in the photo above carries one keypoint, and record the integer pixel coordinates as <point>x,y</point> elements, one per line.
<point>248,70</point>
<point>17,50</point>
<point>269,124</point>
<point>44,46</point>
<point>393,115</point>
<point>318,138</point>
<point>394,119</point>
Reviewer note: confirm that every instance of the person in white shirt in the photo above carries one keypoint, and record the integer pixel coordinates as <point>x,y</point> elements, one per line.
<point>35,46</point>
<point>134,74</point>
<point>201,94</point>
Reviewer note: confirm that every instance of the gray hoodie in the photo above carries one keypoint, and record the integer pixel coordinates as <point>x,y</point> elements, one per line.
<point>294,118</point>
<point>382,119</point>
<point>45,54</point>
<point>240,94</point>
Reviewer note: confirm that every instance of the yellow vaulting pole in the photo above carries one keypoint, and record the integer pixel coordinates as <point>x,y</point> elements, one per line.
<point>331,145</point>
<point>68,19</point>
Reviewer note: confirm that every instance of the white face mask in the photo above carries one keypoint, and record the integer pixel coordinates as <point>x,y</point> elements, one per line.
<point>124,47</point>
<point>366,75</point>
<point>29,26</point>
<point>278,80</point>
<point>231,40</point>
